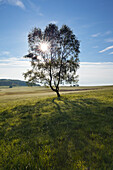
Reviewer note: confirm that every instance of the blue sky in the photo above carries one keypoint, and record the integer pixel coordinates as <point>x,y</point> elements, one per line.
<point>90,20</point>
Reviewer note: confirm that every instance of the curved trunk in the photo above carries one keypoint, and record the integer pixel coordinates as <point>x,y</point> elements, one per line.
<point>57,87</point>
<point>58,94</point>
<point>55,90</point>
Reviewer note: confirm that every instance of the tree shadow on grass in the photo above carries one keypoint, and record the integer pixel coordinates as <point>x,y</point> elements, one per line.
<point>58,134</point>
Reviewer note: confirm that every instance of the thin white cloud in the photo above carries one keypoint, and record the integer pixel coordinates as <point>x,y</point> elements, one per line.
<point>13,61</point>
<point>40,14</point>
<point>101,34</point>
<point>108,48</point>
<point>96,63</point>
<point>35,8</point>
<point>108,32</point>
<point>92,73</point>
<point>109,40</point>
<point>53,22</point>
<point>18,3</point>
<point>111,53</point>
<point>95,46</point>
<point>95,35</point>
<point>4,53</point>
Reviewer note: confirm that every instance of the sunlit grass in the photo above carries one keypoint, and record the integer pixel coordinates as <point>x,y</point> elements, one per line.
<point>75,132</point>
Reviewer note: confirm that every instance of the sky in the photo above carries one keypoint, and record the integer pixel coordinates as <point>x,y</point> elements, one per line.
<point>90,20</point>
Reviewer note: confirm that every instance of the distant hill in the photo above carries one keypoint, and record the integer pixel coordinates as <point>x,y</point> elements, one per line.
<point>9,82</point>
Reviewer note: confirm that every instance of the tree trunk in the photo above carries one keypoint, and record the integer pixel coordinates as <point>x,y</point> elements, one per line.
<point>58,94</point>
<point>55,90</point>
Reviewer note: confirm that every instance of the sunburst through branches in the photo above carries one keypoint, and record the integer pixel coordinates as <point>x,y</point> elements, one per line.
<point>44,46</point>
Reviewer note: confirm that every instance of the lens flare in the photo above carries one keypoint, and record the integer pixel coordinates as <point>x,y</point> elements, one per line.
<point>44,46</point>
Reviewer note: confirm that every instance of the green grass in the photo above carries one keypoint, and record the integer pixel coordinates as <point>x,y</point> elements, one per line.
<point>75,132</point>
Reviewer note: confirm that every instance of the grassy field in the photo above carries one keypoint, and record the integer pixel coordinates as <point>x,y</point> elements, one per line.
<point>38,131</point>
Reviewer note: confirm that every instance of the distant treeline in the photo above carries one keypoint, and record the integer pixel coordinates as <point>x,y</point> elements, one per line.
<point>8,82</point>
<point>13,83</point>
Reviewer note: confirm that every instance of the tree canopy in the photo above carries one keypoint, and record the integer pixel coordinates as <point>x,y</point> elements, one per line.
<point>54,56</point>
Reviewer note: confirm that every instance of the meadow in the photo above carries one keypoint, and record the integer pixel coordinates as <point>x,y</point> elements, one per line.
<point>39,131</point>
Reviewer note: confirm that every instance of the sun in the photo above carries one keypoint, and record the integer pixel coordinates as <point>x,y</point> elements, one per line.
<point>44,46</point>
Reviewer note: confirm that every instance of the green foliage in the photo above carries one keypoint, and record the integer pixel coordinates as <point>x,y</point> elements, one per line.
<point>57,61</point>
<point>74,132</point>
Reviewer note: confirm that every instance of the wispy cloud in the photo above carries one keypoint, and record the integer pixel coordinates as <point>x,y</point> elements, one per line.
<point>109,40</point>
<point>101,34</point>
<point>95,46</point>
<point>111,53</point>
<point>108,48</point>
<point>92,73</point>
<point>53,22</point>
<point>40,14</point>
<point>18,3</point>
<point>95,35</point>
<point>13,61</point>
<point>96,63</point>
<point>3,53</point>
<point>35,8</point>
<point>107,32</point>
